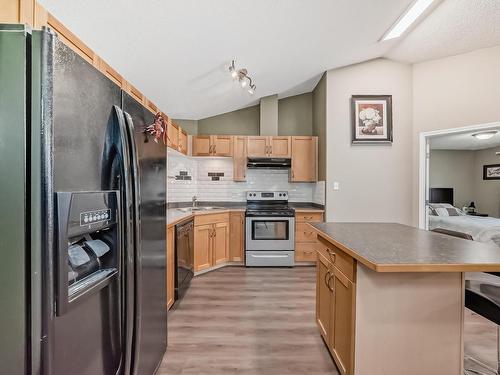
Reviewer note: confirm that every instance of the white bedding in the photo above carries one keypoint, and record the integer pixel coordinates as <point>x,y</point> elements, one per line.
<point>482,229</point>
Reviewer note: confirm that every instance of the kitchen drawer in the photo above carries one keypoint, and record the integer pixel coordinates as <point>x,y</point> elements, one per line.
<point>308,217</point>
<point>204,219</point>
<point>342,261</point>
<point>306,252</point>
<point>304,233</point>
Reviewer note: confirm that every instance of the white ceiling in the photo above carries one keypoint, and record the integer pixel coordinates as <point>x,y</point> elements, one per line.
<point>454,27</point>
<point>464,141</point>
<point>177,51</point>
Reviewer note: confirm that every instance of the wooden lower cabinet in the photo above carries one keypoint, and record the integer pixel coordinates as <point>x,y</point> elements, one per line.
<point>170,266</point>
<point>305,236</point>
<point>237,236</point>
<point>211,240</point>
<point>221,243</point>
<point>335,309</point>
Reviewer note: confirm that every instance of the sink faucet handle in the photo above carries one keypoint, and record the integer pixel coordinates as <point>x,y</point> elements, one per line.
<point>194,199</point>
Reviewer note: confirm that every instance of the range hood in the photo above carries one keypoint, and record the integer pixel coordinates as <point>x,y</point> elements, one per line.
<point>269,163</point>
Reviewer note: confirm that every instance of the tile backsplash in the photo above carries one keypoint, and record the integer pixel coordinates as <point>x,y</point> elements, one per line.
<point>212,180</point>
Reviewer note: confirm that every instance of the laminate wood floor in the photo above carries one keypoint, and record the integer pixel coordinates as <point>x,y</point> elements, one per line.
<point>238,320</point>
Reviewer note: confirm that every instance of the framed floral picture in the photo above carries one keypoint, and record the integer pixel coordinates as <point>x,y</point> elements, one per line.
<point>371,119</point>
<point>491,172</point>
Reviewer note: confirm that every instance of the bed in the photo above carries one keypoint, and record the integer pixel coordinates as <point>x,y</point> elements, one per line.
<point>443,215</point>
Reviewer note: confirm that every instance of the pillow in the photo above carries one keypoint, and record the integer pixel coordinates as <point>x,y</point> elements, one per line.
<point>444,209</point>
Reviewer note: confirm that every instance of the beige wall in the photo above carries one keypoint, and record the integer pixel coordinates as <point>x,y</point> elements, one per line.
<point>295,115</point>
<point>319,124</point>
<point>486,192</point>
<point>191,126</point>
<point>453,169</point>
<point>244,121</point>
<point>452,92</point>
<point>375,180</point>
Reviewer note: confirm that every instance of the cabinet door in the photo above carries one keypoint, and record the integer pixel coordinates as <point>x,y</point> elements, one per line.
<point>323,297</point>
<point>236,235</point>
<point>240,159</point>
<point>203,246</point>
<point>202,145</point>
<point>172,135</point>
<point>170,266</point>
<point>342,339</point>
<point>258,147</point>
<point>221,243</point>
<point>183,141</point>
<point>222,145</point>
<point>280,147</point>
<point>304,159</point>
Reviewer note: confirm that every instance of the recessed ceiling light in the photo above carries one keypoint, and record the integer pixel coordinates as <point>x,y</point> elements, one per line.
<point>407,19</point>
<point>485,135</point>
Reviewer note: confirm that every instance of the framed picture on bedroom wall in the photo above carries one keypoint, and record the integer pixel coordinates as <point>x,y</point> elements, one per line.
<point>491,172</point>
<point>371,119</point>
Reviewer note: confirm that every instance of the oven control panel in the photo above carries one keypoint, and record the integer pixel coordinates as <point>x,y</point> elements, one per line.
<point>267,195</point>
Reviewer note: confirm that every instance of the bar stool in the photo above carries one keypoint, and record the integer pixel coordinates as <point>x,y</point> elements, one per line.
<point>483,298</point>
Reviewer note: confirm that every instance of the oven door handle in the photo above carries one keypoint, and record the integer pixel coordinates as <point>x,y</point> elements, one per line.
<point>268,256</point>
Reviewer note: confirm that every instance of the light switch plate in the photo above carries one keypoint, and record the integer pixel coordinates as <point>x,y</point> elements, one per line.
<point>336,186</point>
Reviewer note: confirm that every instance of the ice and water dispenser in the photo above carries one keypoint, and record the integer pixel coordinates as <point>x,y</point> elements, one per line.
<point>89,243</point>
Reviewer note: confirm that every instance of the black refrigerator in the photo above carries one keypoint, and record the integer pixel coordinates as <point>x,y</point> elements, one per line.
<point>82,282</point>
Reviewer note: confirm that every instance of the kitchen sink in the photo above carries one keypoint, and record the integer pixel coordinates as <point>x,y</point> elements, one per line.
<point>206,208</point>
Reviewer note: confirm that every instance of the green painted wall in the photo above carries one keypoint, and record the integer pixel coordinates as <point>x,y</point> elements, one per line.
<point>191,126</point>
<point>319,124</point>
<point>295,115</point>
<point>244,121</point>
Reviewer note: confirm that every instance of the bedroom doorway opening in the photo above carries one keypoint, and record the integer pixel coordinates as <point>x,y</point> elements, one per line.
<point>459,184</point>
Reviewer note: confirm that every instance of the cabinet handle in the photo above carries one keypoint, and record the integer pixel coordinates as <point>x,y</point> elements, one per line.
<point>328,276</point>
<point>293,175</point>
<point>330,287</point>
<point>215,149</point>
<point>332,255</point>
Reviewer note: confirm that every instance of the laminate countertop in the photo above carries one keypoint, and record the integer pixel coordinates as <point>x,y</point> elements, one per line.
<point>388,247</point>
<point>178,215</point>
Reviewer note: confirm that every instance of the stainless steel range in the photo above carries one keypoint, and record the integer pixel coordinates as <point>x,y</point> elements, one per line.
<point>270,230</point>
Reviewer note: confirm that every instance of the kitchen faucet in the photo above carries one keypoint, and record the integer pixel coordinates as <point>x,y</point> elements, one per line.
<point>194,199</point>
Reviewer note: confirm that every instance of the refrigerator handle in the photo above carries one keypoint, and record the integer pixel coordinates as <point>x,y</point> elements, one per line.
<point>129,234</point>
<point>137,234</point>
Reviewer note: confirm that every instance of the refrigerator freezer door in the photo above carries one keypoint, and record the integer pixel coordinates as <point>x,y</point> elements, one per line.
<point>89,338</point>
<point>151,318</point>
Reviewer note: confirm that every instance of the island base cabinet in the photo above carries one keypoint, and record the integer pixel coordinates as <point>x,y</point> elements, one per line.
<point>390,323</point>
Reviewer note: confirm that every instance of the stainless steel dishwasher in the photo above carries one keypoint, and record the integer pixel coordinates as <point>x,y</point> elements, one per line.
<point>184,258</point>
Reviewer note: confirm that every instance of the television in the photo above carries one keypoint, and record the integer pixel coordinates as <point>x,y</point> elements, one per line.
<point>441,195</point>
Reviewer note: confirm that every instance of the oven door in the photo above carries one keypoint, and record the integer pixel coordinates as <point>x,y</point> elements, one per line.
<point>270,233</point>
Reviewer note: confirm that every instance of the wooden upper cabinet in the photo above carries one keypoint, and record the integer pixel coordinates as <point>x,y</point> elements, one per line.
<point>172,135</point>
<point>183,141</point>
<point>236,236</point>
<point>280,147</point>
<point>222,145</point>
<point>109,72</point>
<point>239,158</point>
<point>212,145</point>
<point>221,243</point>
<point>202,145</point>
<point>151,106</point>
<point>258,146</point>
<point>269,147</point>
<point>304,159</point>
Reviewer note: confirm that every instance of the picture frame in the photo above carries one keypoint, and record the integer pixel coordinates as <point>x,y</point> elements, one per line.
<point>371,119</point>
<point>491,172</point>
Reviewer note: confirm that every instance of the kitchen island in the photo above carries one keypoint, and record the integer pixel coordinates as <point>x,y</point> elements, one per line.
<point>390,298</point>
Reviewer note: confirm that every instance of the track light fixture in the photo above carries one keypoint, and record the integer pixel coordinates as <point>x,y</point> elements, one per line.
<point>242,76</point>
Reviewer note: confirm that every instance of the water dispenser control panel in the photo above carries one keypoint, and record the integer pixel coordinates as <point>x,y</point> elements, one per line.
<point>91,217</point>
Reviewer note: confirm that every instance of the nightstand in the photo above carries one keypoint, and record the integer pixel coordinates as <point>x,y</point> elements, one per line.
<point>477,214</point>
